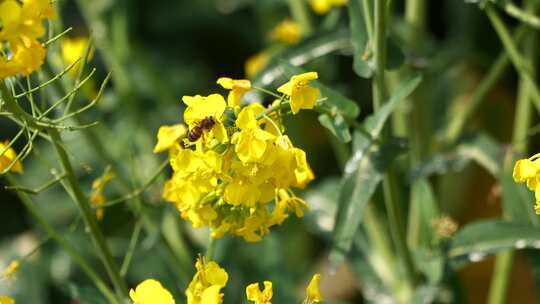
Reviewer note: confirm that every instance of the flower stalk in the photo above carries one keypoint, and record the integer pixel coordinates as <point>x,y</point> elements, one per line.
<point>391,195</point>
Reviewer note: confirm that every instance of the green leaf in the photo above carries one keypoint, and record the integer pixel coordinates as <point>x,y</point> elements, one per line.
<point>394,56</point>
<point>337,126</point>
<point>357,190</point>
<point>375,123</point>
<point>334,100</point>
<point>479,239</point>
<point>364,171</point>
<point>359,39</point>
<point>363,64</point>
<point>423,210</point>
<point>306,51</point>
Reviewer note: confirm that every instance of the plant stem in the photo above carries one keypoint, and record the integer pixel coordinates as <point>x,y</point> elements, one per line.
<point>503,263</point>
<point>210,248</point>
<point>395,216</point>
<point>512,50</point>
<point>499,281</point>
<point>89,217</point>
<point>68,248</point>
<point>300,15</point>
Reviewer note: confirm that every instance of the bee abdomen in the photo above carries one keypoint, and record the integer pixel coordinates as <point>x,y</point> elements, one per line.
<point>195,133</point>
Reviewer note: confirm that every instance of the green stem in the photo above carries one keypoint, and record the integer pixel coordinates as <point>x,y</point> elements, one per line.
<point>395,216</point>
<point>89,217</point>
<point>512,50</point>
<point>499,281</point>
<point>496,71</point>
<point>523,16</point>
<point>300,15</point>
<point>66,246</point>
<point>210,248</point>
<point>503,263</point>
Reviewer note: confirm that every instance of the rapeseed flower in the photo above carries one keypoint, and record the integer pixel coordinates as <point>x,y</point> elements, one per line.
<point>11,270</point>
<point>22,25</point>
<point>169,136</point>
<point>301,95</point>
<point>287,32</point>
<point>237,89</point>
<point>323,6</point>
<point>97,198</point>
<point>313,291</point>
<point>254,294</point>
<point>151,292</point>
<point>201,107</point>
<point>207,283</point>
<point>256,63</point>
<point>240,186</point>
<point>6,300</point>
<point>7,157</point>
<point>528,171</point>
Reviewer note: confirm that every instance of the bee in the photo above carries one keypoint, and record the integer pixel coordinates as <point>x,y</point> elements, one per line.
<point>197,131</point>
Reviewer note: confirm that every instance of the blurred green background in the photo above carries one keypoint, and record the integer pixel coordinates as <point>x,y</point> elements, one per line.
<point>163,50</point>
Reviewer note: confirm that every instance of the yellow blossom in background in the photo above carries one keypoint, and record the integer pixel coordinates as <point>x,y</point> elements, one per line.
<point>313,291</point>
<point>287,32</point>
<point>7,156</point>
<point>168,136</point>
<point>528,171</point>
<point>151,292</point>
<point>323,6</point>
<point>22,25</point>
<point>256,63</point>
<point>237,87</point>
<point>207,283</point>
<point>301,95</point>
<point>72,50</point>
<point>97,198</point>
<point>254,294</point>
<point>6,300</point>
<point>11,270</point>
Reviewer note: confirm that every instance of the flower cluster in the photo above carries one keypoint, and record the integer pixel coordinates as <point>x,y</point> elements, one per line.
<point>21,27</point>
<point>206,285</point>
<point>235,170</point>
<point>528,171</point>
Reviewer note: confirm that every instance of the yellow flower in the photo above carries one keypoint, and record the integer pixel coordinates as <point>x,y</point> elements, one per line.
<point>206,284</point>
<point>168,136</point>
<point>313,292</point>
<point>256,63</point>
<point>286,201</point>
<point>301,95</point>
<point>151,292</point>
<point>98,185</point>
<point>72,50</point>
<point>7,156</point>
<point>287,31</point>
<point>6,300</point>
<point>525,169</point>
<point>201,107</point>
<point>254,294</point>
<point>323,6</point>
<point>22,25</point>
<point>250,142</point>
<point>237,87</point>
<point>11,270</point>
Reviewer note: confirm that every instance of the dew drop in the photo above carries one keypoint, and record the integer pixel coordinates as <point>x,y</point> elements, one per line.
<point>476,256</point>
